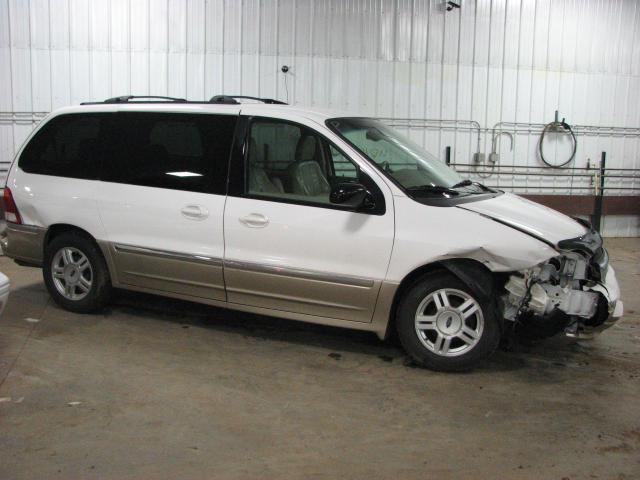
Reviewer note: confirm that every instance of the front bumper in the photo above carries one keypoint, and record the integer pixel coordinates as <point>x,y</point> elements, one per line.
<point>576,292</point>
<point>610,290</point>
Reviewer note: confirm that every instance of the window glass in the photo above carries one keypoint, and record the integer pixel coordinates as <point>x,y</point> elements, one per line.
<point>343,167</point>
<point>175,151</point>
<point>67,146</point>
<point>178,138</point>
<point>293,162</point>
<point>402,159</point>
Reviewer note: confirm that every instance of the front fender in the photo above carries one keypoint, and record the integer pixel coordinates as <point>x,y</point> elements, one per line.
<point>427,234</point>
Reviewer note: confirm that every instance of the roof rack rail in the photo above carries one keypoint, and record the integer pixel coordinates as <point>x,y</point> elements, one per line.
<point>231,99</point>
<point>138,98</point>
<point>220,99</point>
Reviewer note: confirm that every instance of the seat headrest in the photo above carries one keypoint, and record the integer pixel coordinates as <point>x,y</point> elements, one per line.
<point>307,149</point>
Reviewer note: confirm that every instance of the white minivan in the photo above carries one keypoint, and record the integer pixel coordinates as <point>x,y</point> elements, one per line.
<point>297,213</point>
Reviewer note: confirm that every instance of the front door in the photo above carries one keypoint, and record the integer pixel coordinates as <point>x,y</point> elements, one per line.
<point>161,200</point>
<point>287,247</point>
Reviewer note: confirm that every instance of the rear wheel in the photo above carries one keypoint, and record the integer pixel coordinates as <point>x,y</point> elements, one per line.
<point>444,324</point>
<point>76,273</point>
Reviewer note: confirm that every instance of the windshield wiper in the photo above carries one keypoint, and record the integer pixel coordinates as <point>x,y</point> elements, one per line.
<point>468,183</point>
<point>433,189</point>
<point>463,183</point>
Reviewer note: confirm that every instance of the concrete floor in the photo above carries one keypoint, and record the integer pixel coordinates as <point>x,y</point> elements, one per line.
<point>155,388</point>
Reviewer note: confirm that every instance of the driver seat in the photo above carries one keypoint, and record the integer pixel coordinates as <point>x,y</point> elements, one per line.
<point>306,175</point>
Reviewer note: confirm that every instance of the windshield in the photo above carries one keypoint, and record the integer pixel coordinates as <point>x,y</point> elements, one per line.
<point>402,159</point>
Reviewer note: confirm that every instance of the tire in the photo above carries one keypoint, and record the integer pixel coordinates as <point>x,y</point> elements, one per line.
<point>445,325</point>
<point>76,274</point>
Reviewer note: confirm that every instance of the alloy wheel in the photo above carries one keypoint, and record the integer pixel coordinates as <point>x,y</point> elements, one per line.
<point>72,273</point>
<point>449,322</point>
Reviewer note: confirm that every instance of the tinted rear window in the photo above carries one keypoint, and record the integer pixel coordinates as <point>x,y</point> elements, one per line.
<point>175,151</point>
<point>67,146</point>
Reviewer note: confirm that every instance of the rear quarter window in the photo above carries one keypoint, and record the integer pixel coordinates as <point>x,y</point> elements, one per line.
<point>67,146</point>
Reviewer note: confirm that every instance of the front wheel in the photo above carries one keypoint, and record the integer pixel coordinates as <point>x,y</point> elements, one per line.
<point>76,273</point>
<point>445,325</point>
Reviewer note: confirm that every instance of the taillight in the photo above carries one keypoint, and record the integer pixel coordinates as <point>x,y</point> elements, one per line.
<point>11,213</point>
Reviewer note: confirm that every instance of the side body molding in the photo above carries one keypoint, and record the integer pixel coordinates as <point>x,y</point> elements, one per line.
<point>193,277</point>
<point>165,271</point>
<point>347,280</point>
<point>310,292</point>
<point>190,277</point>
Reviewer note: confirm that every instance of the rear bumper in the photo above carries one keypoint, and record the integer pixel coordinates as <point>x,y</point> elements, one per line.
<point>24,243</point>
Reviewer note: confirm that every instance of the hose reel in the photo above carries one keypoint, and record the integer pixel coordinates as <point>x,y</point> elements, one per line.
<point>558,127</point>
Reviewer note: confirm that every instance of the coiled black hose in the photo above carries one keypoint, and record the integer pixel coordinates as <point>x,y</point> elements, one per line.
<point>557,126</point>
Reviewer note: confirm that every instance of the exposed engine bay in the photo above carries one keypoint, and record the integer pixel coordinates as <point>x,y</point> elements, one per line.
<point>568,292</point>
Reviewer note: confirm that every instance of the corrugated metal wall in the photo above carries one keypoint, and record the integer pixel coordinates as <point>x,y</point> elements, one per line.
<point>490,61</point>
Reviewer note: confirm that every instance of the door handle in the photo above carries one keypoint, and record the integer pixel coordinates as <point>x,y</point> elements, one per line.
<point>255,220</point>
<point>194,212</point>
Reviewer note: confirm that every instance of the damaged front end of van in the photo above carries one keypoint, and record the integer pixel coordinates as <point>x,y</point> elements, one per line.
<point>575,292</point>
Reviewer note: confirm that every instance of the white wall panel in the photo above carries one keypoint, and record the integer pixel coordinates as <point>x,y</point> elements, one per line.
<point>490,61</point>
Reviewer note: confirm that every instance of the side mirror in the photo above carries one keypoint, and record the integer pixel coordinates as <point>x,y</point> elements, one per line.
<point>352,195</point>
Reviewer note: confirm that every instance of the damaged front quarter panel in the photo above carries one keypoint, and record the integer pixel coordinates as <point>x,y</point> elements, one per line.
<point>576,290</point>
<point>558,284</point>
<point>440,234</point>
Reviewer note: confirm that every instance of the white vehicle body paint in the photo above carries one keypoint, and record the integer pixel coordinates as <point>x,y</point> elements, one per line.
<point>531,217</point>
<point>44,201</point>
<point>314,246</point>
<point>439,233</point>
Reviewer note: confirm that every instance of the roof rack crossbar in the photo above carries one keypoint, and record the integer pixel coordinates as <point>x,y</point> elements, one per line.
<point>136,98</point>
<point>231,99</point>
<point>128,98</point>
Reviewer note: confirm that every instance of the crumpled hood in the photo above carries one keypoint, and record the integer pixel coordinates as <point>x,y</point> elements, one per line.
<point>528,216</point>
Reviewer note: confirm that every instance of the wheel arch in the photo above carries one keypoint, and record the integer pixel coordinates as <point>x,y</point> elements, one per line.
<point>59,228</point>
<point>100,290</point>
<point>471,272</point>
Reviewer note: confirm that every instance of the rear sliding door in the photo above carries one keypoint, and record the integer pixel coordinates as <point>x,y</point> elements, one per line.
<point>162,198</point>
